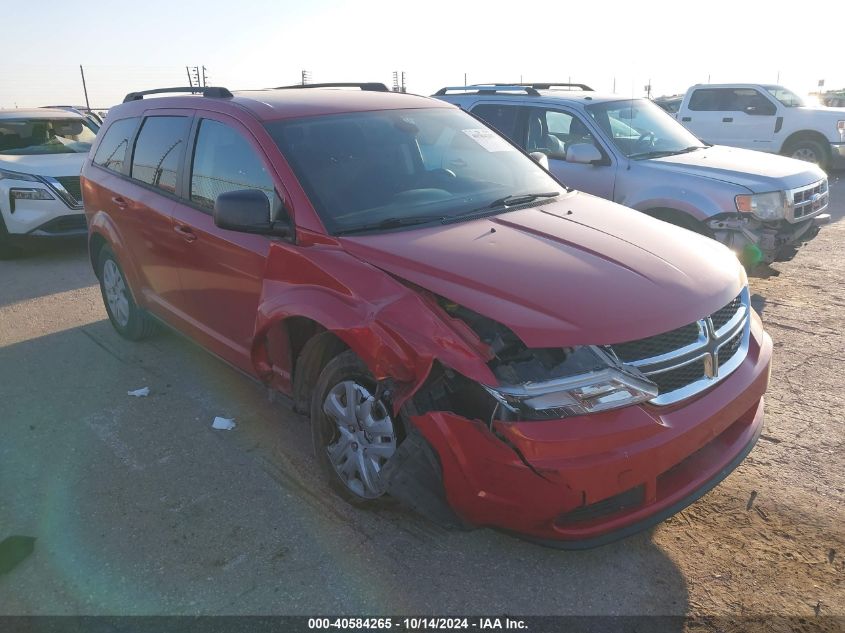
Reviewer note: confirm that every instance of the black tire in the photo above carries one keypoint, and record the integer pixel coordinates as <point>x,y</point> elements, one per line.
<point>808,150</point>
<point>681,219</point>
<point>326,432</point>
<point>130,321</point>
<point>8,250</point>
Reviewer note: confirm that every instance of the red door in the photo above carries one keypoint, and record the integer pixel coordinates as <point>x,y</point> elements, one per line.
<point>221,271</point>
<point>143,206</point>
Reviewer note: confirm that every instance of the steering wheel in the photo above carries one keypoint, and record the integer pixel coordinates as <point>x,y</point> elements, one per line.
<point>647,138</point>
<point>435,178</point>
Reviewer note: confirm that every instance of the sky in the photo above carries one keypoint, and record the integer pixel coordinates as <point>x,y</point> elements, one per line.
<point>125,46</point>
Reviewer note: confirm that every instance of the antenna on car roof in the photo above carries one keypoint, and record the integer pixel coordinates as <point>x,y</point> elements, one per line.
<point>206,91</point>
<point>370,86</point>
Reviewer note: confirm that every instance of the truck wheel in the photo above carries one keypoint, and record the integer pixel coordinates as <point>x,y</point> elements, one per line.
<point>354,432</point>
<point>126,317</point>
<point>808,150</point>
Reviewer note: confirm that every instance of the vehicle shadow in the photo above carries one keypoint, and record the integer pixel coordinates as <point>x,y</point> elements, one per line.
<point>139,507</point>
<point>64,256</point>
<point>758,302</point>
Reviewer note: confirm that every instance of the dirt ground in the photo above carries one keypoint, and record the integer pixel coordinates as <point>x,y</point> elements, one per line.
<point>140,508</point>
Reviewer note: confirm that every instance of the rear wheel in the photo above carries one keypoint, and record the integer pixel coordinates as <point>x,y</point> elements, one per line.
<point>353,430</point>
<point>808,150</point>
<point>126,317</point>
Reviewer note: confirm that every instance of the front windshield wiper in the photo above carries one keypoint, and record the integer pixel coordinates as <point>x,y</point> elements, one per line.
<point>665,152</point>
<point>391,223</point>
<point>520,198</point>
<point>504,202</point>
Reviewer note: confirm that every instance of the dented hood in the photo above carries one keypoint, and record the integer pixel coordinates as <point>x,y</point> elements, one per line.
<point>580,270</point>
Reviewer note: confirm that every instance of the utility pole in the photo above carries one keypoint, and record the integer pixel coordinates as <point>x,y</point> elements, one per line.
<point>84,87</point>
<point>402,87</point>
<point>306,77</point>
<point>465,80</point>
<point>190,83</point>
<point>204,78</point>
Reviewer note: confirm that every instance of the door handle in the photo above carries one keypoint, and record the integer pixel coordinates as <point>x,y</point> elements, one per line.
<point>186,232</point>
<point>686,118</point>
<point>119,202</point>
<point>728,119</point>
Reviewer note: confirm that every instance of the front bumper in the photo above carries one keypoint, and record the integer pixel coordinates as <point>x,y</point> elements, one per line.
<point>62,227</point>
<point>837,153</point>
<point>588,480</point>
<point>781,244</point>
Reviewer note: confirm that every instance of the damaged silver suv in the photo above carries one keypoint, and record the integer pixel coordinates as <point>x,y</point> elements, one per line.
<point>760,205</point>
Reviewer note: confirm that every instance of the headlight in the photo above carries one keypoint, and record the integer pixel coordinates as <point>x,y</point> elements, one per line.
<point>605,385</point>
<point>766,206</point>
<point>16,175</point>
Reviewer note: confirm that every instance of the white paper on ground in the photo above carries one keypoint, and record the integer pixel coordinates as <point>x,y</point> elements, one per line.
<point>143,392</point>
<point>223,424</point>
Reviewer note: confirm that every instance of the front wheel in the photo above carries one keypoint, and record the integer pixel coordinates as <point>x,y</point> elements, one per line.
<point>353,430</point>
<point>126,317</point>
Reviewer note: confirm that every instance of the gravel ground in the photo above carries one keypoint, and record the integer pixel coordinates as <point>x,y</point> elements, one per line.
<point>139,507</point>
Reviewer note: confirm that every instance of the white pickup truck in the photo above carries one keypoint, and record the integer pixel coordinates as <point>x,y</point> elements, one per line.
<point>767,118</point>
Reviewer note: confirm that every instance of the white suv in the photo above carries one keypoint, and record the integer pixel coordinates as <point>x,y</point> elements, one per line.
<point>41,155</point>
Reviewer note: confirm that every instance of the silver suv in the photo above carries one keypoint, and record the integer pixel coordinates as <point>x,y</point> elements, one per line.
<point>630,151</point>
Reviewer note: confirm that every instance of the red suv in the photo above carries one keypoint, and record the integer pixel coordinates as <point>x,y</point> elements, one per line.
<point>468,335</point>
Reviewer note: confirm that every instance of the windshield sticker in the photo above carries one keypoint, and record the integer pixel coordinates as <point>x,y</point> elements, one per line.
<point>489,140</point>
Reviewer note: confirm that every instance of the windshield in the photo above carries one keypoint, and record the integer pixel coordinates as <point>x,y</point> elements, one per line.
<point>786,97</point>
<point>641,129</point>
<point>45,136</point>
<point>370,168</point>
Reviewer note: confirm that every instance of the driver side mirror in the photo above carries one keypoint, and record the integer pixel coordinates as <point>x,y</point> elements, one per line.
<point>248,211</point>
<point>583,153</point>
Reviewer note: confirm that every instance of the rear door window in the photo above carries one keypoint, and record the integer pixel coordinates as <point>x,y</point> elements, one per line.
<point>159,151</point>
<point>225,161</point>
<point>112,149</point>
<point>505,118</point>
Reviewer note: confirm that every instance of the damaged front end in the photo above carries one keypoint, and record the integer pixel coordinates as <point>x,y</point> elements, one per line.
<point>555,451</point>
<point>770,227</point>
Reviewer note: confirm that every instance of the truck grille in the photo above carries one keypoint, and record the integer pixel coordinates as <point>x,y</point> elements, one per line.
<point>694,357</point>
<point>807,201</point>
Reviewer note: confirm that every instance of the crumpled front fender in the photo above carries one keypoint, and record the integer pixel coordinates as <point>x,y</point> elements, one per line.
<point>392,328</point>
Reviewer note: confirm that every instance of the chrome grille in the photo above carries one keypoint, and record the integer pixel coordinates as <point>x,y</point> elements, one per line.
<point>807,201</point>
<point>681,364</point>
<point>72,186</point>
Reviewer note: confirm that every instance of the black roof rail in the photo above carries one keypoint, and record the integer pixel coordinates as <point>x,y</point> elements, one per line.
<point>549,86</point>
<point>206,91</point>
<point>371,86</point>
<point>489,89</point>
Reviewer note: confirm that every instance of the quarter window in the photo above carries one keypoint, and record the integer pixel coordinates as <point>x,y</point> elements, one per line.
<point>225,161</point>
<point>112,149</point>
<point>158,151</point>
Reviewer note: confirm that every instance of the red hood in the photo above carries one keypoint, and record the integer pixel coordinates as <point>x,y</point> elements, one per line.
<point>580,270</point>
